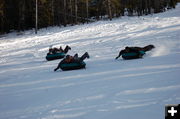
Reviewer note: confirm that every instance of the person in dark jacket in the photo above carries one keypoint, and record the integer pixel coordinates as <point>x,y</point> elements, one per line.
<point>70,59</point>
<point>128,50</point>
<point>145,49</point>
<point>58,50</point>
<point>135,49</point>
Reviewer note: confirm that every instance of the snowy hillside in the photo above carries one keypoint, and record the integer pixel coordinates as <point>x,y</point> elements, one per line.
<point>107,88</point>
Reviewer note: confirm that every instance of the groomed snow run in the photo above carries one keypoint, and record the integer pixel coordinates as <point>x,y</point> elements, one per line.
<point>107,88</point>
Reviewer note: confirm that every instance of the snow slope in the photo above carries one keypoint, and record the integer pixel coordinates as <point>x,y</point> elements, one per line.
<point>107,88</point>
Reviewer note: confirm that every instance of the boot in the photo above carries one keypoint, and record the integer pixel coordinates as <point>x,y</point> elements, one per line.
<point>87,55</point>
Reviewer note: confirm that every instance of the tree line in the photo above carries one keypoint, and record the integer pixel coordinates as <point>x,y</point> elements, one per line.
<point>20,14</point>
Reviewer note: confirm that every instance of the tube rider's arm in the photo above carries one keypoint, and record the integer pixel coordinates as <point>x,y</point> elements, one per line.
<point>120,53</point>
<point>63,61</point>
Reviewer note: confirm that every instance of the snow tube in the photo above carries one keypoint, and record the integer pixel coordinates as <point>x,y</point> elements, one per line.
<point>72,66</point>
<point>55,56</point>
<point>133,55</point>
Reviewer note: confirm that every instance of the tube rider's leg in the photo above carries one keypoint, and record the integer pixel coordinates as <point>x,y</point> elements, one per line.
<point>84,56</point>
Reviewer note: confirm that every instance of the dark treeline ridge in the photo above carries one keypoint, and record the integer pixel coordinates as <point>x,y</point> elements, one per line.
<point>20,14</point>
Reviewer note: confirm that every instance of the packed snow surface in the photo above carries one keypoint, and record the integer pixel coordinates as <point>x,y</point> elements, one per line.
<point>107,88</point>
